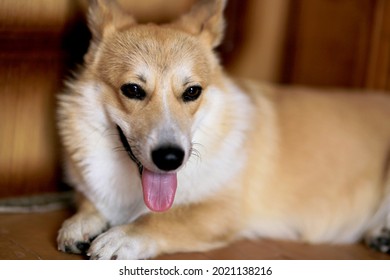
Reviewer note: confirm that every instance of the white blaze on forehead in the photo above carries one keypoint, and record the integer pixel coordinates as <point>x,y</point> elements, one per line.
<point>169,86</point>
<point>173,85</point>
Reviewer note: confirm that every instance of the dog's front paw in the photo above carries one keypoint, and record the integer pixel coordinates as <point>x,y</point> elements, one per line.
<point>380,241</point>
<point>122,243</point>
<point>77,232</point>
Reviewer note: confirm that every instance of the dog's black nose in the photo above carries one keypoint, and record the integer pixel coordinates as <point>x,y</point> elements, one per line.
<point>168,158</point>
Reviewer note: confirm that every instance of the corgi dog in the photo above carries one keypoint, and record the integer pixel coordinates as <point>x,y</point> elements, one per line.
<point>169,154</point>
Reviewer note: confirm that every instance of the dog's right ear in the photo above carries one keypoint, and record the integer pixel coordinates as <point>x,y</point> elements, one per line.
<point>105,17</point>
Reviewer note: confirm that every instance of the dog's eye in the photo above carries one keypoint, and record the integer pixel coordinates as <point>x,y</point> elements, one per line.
<point>192,93</point>
<point>133,91</point>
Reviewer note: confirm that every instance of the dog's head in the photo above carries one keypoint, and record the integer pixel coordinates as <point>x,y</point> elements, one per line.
<point>153,81</point>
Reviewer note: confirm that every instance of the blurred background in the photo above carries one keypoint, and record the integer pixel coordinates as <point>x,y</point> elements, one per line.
<point>321,43</point>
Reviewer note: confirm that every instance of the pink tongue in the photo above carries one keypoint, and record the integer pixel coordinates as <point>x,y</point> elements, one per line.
<point>159,189</point>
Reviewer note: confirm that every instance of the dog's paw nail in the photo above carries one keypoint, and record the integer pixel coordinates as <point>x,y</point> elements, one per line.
<point>114,257</point>
<point>68,249</point>
<point>83,246</point>
<point>385,241</point>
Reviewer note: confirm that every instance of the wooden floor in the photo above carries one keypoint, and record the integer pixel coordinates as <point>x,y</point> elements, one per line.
<point>33,236</point>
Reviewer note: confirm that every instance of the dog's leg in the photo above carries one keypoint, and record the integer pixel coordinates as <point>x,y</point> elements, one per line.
<point>190,228</point>
<point>77,232</point>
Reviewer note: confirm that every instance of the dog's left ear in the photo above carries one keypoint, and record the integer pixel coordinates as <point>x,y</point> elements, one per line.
<point>205,20</point>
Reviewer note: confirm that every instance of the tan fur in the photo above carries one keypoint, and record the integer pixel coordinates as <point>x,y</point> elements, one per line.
<point>262,160</point>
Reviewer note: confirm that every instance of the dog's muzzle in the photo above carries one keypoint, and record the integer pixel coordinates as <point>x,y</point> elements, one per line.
<point>158,187</point>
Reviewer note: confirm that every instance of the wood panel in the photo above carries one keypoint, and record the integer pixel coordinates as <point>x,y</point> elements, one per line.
<point>378,66</point>
<point>329,42</point>
<point>259,38</point>
<point>31,68</point>
<point>28,161</point>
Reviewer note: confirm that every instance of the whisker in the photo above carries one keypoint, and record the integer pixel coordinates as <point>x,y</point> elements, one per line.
<point>195,153</point>
<point>119,149</point>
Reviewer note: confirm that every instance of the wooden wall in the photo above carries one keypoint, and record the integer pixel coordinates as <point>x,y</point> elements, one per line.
<point>333,43</point>
<point>32,61</point>
<point>343,43</point>
<point>339,43</point>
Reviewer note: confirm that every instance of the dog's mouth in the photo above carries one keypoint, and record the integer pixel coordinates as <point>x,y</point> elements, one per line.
<point>128,149</point>
<point>159,189</point>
